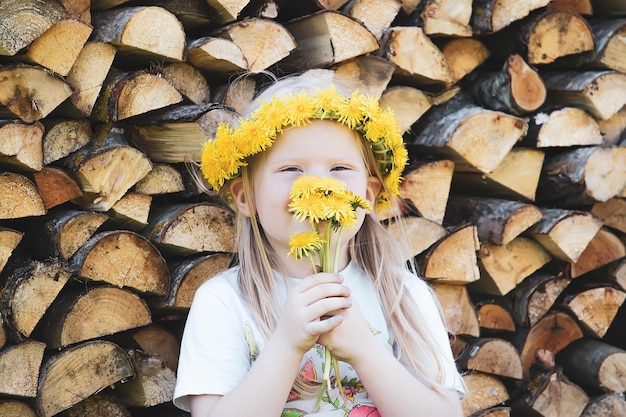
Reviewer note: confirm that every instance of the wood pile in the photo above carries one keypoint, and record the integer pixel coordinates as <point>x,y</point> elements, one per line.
<point>515,116</point>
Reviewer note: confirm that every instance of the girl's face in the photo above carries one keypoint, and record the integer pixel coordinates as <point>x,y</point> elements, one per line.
<point>321,148</point>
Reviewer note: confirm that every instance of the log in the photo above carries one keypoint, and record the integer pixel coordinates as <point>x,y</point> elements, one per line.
<point>327,37</point>
<point>483,391</point>
<point>131,94</point>
<point>516,178</point>
<point>62,137</point>
<point>225,11</point>
<point>604,248</point>
<point>82,313</point>
<point>106,169</point>
<point>263,42</point>
<point>21,145</point>
<point>188,81</point>
<point>216,55</point>
<point>550,393</point>
<point>498,221</point>
<point>28,20</point>
<point>493,313</point>
<point>56,186</point>
<point>370,74</point>
<point>187,229</point>
<point>20,368</point>
<point>426,185</point>
<point>593,363</point>
<point>124,259</point>
<point>59,46</point>
<point>492,356</point>
<point>423,233</point>
<point>535,296</point>
<point>162,179</point>
<point>125,29</point>
<point>563,127</point>
<point>601,93</point>
<point>419,62</point>
<point>551,333</point>
<point>610,46</point>
<point>153,383</point>
<point>101,404</point>
<point>438,263</point>
<point>611,404</point>
<point>10,408</point>
<point>30,92</point>
<point>376,15</point>
<point>87,367</point>
<point>65,231</point>
<point>160,342</point>
<point>20,197</point>
<point>612,128</point>
<point>565,233</point>
<point>29,292</point>
<point>443,18</point>
<point>494,412</point>
<point>582,7</point>
<point>450,130</point>
<point>491,16</point>
<point>464,55</point>
<point>554,34</point>
<point>185,278</point>
<point>176,134</point>
<point>612,213</point>
<point>88,74</point>
<point>516,89</point>
<point>132,211</point>
<point>408,104</point>
<point>237,94</point>
<point>9,239</point>
<point>583,175</point>
<point>612,273</point>
<point>194,15</point>
<point>595,308</point>
<point>458,310</point>
<point>504,267</point>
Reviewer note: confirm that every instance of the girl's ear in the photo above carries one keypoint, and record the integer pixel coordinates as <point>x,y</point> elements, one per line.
<point>237,190</point>
<point>373,188</point>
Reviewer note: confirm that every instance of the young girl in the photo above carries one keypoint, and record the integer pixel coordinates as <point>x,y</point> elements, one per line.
<point>255,336</point>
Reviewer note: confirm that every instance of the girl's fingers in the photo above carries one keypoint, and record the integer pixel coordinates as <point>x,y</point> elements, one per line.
<point>323,326</point>
<point>316,279</point>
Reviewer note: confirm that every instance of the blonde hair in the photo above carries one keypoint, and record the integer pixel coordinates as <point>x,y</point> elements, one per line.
<point>373,249</point>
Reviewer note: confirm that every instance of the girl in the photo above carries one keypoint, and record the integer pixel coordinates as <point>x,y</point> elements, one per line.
<point>255,336</point>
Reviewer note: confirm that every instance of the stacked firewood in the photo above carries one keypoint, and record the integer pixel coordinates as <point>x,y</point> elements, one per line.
<point>514,113</point>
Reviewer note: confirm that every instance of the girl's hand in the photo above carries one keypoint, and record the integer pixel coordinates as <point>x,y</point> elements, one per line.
<point>315,296</point>
<point>349,342</point>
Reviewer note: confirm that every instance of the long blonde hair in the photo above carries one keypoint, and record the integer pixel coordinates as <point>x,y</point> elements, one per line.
<point>373,250</point>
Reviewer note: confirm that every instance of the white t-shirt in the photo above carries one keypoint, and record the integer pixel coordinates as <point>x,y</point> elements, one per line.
<point>221,342</point>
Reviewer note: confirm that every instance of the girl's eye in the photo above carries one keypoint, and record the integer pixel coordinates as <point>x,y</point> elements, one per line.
<point>290,169</point>
<point>340,168</point>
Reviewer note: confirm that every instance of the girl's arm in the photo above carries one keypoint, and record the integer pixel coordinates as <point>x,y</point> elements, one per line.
<point>265,388</point>
<point>394,390</point>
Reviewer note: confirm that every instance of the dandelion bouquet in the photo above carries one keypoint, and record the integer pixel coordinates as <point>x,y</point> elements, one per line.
<point>329,207</point>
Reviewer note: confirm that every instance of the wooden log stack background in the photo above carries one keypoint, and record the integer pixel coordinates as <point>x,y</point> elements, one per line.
<point>513,111</point>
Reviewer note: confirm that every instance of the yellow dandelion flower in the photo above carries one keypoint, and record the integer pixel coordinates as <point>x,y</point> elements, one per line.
<point>308,207</point>
<point>305,244</point>
<point>251,138</point>
<point>359,202</point>
<point>337,209</point>
<point>271,116</point>
<point>328,101</point>
<point>350,111</point>
<point>327,185</point>
<point>370,106</point>
<point>301,109</point>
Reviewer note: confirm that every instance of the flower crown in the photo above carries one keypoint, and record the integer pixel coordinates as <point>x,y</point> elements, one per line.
<point>223,157</point>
